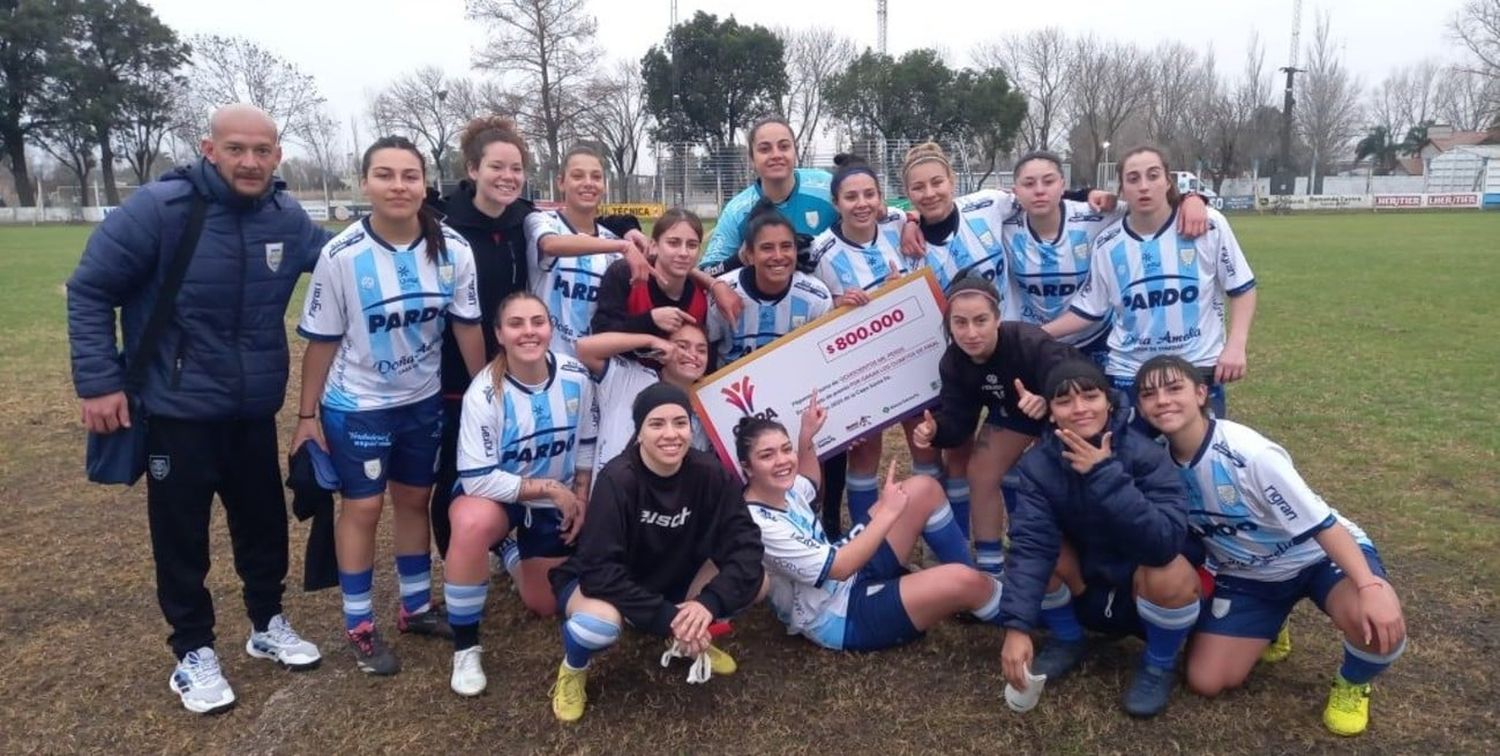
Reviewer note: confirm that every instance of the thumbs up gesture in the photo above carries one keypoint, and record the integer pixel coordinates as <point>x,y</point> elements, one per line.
<point>922,435</point>
<point>1032,405</point>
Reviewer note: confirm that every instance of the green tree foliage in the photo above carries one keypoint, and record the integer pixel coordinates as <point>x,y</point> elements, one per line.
<point>711,78</point>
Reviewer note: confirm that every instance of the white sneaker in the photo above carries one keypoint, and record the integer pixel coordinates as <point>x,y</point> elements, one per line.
<point>281,644</point>
<point>200,684</point>
<point>468,673</point>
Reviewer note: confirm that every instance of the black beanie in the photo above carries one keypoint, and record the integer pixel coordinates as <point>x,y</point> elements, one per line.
<point>1084,373</point>
<point>654,396</point>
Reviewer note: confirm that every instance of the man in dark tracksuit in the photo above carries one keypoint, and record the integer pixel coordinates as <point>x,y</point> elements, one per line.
<point>212,385</point>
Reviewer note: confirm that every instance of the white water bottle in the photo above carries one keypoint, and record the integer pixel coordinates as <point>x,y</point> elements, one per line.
<point>1024,701</point>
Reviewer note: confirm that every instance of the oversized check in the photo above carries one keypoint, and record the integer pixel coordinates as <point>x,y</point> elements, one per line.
<point>871,366</point>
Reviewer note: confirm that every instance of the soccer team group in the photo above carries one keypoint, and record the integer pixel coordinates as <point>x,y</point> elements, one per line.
<point>517,381</point>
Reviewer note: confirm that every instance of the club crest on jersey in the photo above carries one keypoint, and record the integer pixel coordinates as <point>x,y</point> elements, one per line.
<point>1081,251</point>
<point>445,274</point>
<point>811,216</point>
<point>372,469</point>
<point>160,466</point>
<point>798,320</point>
<point>273,256</point>
<point>987,239</point>
<point>1186,254</point>
<point>1228,494</point>
<point>572,406</point>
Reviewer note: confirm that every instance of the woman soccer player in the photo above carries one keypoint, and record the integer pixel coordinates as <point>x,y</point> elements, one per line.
<point>1164,291</point>
<point>668,546</point>
<point>525,457</point>
<point>374,320</point>
<point>675,293</point>
<point>683,357</point>
<point>1097,541</point>
<point>988,365</point>
<point>1048,245</point>
<point>1272,542</point>
<point>860,253</point>
<point>570,251</point>
<point>799,194</point>
<point>855,594</point>
<point>777,298</point>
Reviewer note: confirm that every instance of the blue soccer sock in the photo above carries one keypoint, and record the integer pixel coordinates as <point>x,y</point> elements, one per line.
<point>414,572</point>
<point>930,470</point>
<point>990,557</point>
<point>1059,617</point>
<point>957,491</point>
<point>465,606</point>
<point>510,559</point>
<point>990,611</point>
<point>1360,666</point>
<point>584,635</point>
<point>1166,630</point>
<point>863,491</point>
<point>944,538</point>
<point>358,606</point>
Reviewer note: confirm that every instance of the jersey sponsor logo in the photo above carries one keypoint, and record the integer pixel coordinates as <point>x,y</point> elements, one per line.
<point>273,256</point>
<point>978,204</point>
<point>346,243</point>
<point>817,291</point>
<point>1277,500</point>
<point>577,290</point>
<point>666,521</point>
<point>1206,529</point>
<point>160,466</point>
<point>381,321</point>
<point>315,303</point>
<point>1051,290</point>
<point>1234,457</point>
<point>1108,234</point>
<point>406,277</point>
<point>544,450</point>
<point>368,282</point>
<point>1161,298</point>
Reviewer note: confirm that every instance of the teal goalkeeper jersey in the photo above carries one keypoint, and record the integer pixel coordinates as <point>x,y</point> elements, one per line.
<point>809,208</point>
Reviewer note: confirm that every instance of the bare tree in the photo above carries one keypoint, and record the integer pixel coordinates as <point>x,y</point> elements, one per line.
<point>620,120</point>
<point>1235,110</point>
<point>1328,113</point>
<point>1467,100</point>
<point>1407,98</point>
<point>544,43</point>
<point>417,104</point>
<point>325,143</point>
<point>1038,63</point>
<point>71,141</point>
<point>1106,89</point>
<point>813,55</point>
<point>233,69</point>
<point>1477,26</point>
<point>1181,85</point>
<point>149,115</point>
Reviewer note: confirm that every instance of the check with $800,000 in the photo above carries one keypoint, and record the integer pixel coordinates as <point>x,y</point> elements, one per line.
<point>870,366</point>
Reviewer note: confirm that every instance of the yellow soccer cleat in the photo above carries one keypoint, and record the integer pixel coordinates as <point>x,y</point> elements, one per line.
<point>568,694</point>
<point>1280,648</point>
<point>1348,710</point>
<point>720,662</point>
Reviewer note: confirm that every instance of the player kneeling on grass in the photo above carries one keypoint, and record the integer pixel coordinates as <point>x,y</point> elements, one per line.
<point>854,594</point>
<point>525,452</point>
<point>668,546</point>
<point>1097,541</point>
<point>1273,542</point>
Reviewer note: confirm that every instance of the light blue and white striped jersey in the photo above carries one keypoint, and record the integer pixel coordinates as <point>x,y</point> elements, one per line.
<point>614,391</point>
<point>975,248</point>
<point>798,558</point>
<point>568,285</point>
<point>385,307</point>
<point>765,318</point>
<point>1042,275</point>
<point>1255,514</point>
<point>809,208</point>
<point>543,431</point>
<point>843,264</point>
<point>1166,293</point>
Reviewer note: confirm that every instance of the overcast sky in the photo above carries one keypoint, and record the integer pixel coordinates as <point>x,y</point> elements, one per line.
<point>354,47</point>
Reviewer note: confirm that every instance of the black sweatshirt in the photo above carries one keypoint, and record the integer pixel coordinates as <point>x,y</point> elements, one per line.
<point>646,537</point>
<point>1024,351</point>
<point>624,307</point>
<point>499,246</point>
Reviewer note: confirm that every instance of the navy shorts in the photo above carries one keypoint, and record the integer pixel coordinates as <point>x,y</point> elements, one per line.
<point>539,532</point>
<point>1098,350</point>
<point>1244,608</point>
<point>369,447</point>
<point>1015,420</point>
<point>876,618</point>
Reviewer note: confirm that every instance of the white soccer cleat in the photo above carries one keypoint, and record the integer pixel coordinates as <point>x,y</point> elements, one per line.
<point>281,644</point>
<point>468,672</point>
<point>200,684</point>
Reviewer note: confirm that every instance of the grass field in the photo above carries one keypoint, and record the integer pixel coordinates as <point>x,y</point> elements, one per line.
<point>1373,360</point>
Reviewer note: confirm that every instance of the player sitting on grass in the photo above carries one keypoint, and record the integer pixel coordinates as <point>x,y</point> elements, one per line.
<point>855,594</point>
<point>1273,542</point>
<point>668,546</point>
<point>1097,541</point>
